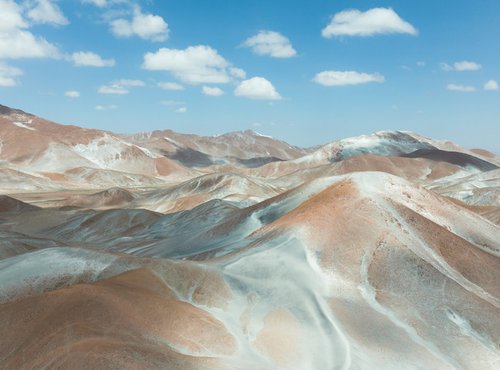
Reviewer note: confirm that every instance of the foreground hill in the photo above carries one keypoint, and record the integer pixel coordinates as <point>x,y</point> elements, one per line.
<point>308,279</point>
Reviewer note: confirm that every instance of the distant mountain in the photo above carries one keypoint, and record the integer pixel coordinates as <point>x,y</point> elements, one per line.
<point>34,146</point>
<point>245,148</point>
<point>37,154</point>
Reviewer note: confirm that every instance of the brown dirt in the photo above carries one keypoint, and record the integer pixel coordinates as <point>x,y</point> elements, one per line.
<point>132,318</point>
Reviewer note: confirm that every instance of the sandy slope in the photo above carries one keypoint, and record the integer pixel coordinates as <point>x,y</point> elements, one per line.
<point>302,282</point>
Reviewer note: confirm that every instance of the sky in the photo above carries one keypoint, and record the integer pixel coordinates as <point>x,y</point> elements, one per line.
<point>307,72</point>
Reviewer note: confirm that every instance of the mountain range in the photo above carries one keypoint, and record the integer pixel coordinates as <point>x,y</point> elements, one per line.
<point>165,250</point>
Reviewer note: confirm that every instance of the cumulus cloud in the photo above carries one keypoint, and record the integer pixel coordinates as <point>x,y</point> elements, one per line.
<point>491,85</point>
<point>375,21</point>
<point>10,16</point>
<point>16,41</point>
<point>181,110</point>
<point>270,43</point>
<point>8,75</point>
<point>212,91</point>
<point>194,65</point>
<point>120,87</point>
<point>170,86</point>
<point>146,26</point>
<point>343,78</point>
<point>460,88</point>
<point>90,59</point>
<point>23,44</point>
<point>461,66</point>
<point>72,94</point>
<point>46,11</point>
<point>257,88</point>
<point>106,107</point>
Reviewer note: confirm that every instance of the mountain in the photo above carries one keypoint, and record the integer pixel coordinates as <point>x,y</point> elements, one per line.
<point>375,252</point>
<point>247,148</point>
<point>60,153</point>
<point>99,158</point>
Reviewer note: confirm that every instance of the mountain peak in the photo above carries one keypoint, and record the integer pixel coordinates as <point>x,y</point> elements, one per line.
<point>7,111</point>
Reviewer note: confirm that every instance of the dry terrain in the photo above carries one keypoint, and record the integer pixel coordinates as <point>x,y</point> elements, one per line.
<point>172,251</point>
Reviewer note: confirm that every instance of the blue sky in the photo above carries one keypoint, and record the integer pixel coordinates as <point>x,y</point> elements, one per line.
<point>307,72</point>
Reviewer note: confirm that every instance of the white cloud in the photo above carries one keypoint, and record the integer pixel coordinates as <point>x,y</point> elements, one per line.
<point>375,21</point>
<point>257,88</point>
<point>467,66</point>
<point>146,26</point>
<point>171,103</point>
<point>193,65</point>
<point>45,11</point>
<point>99,3</point>
<point>237,73</point>
<point>460,66</point>
<point>106,107</point>
<point>23,44</point>
<point>130,83</point>
<point>72,94</point>
<point>212,91</point>
<point>15,41</point>
<point>7,81</point>
<point>420,63</point>
<point>170,86</point>
<point>181,110</point>
<point>445,67</point>
<point>270,43</point>
<point>10,16</point>
<point>112,89</point>
<point>120,87</point>
<point>342,78</point>
<point>90,59</point>
<point>8,75</point>
<point>491,85</point>
<point>460,88</point>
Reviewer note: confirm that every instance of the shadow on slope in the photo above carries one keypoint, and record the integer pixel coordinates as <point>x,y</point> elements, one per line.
<point>456,158</point>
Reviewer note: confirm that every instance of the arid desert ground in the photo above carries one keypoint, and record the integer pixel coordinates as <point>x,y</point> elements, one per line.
<point>162,250</point>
